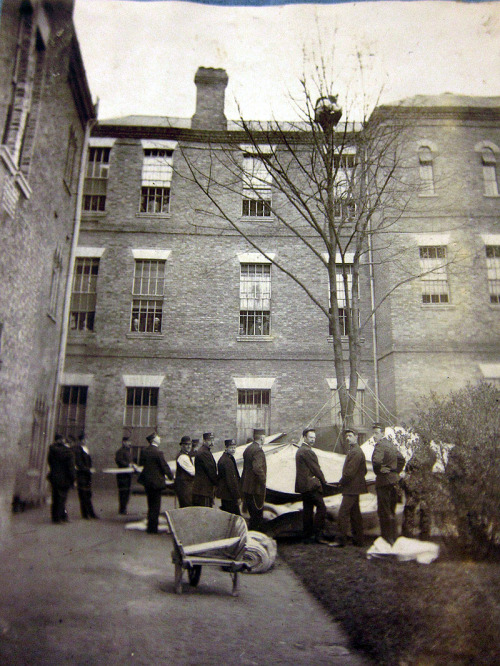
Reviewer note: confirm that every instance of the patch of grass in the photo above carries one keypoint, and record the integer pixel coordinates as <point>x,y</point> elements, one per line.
<point>406,613</point>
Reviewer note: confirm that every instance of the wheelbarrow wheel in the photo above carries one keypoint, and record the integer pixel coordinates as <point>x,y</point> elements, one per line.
<point>194,574</point>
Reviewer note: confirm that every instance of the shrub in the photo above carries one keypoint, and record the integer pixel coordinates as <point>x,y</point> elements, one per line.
<point>466,497</point>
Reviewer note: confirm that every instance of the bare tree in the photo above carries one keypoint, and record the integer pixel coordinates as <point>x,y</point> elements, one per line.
<point>340,183</point>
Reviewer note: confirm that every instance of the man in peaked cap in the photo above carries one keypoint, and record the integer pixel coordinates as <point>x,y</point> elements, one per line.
<point>205,478</point>
<point>184,473</point>
<point>152,477</point>
<point>228,488</point>
<point>123,459</point>
<point>353,485</point>
<point>84,471</point>
<point>254,479</point>
<point>61,461</point>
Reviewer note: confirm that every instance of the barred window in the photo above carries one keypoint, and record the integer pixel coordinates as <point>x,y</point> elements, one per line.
<point>148,292</point>
<point>426,168</point>
<point>141,406</point>
<point>489,172</point>
<point>345,208</point>
<point>434,278</point>
<point>156,180</point>
<point>255,299</point>
<point>83,297</point>
<point>254,397</point>
<point>257,183</point>
<point>71,410</point>
<point>493,269</point>
<point>96,180</point>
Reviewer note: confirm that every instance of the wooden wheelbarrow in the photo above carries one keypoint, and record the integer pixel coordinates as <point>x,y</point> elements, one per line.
<point>207,537</point>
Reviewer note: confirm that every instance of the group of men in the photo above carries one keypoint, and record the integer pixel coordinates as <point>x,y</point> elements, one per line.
<point>70,461</point>
<point>310,482</point>
<point>198,477</point>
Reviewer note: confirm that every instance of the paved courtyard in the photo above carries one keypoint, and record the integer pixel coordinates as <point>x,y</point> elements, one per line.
<point>92,592</point>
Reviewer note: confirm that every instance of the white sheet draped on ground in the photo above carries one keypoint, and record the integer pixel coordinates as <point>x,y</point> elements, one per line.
<point>404,549</point>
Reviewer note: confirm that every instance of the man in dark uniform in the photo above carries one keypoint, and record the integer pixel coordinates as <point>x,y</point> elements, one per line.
<point>228,488</point>
<point>309,482</point>
<point>205,478</point>
<point>195,445</point>
<point>184,473</point>
<point>152,477</point>
<point>387,463</point>
<point>84,471</point>
<point>353,485</point>
<point>254,479</point>
<point>123,458</point>
<point>62,476</point>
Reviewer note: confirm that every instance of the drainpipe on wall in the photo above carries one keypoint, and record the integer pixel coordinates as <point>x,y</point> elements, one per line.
<point>374,324</point>
<point>69,281</point>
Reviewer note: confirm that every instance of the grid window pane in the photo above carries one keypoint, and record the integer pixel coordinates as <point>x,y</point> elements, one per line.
<point>96,181</point>
<point>426,165</point>
<point>141,407</point>
<point>149,281</point>
<point>257,183</point>
<point>155,200</point>
<point>83,297</point>
<point>434,278</point>
<point>71,410</point>
<point>493,271</point>
<point>255,299</point>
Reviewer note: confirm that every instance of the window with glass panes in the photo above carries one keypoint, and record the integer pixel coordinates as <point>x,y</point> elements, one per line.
<point>148,294</point>
<point>71,410</point>
<point>489,172</point>
<point>257,183</point>
<point>341,298</point>
<point>493,269</point>
<point>426,169</point>
<point>156,180</point>
<point>83,296</point>
<point>96,179</point>
<point>255,299</point>
<point>434,276</point>
<point>141,407</point>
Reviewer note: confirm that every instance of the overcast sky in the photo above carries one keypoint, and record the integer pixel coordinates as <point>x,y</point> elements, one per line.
<point>141,57</point>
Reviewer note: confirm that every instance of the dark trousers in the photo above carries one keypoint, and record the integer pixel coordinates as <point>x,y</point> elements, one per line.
<point>416,514</point>
<point>387,498</point>
<point>203,500</point>
<point>313,523</point>
<point>253,502</point>
<point>350,516</point>
<point>154,505</point>
<point>124,481</point>
<point>230,506</point>
<point>58,508</point>
<point>85,497</point>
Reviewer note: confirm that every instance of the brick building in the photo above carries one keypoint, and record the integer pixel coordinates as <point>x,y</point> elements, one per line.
<point>178,323</point>
<point>45,107</point>
<point>440,331</point>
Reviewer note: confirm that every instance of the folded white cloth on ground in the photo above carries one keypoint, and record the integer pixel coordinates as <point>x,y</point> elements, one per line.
<point>404,549</point>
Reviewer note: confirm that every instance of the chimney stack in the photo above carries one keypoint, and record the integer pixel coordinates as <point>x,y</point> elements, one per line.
<point>210,92</point>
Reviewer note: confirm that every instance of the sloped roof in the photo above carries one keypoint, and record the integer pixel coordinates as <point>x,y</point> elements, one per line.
<point>449,100</point>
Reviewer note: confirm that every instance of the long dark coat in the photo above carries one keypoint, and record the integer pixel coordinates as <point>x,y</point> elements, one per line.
<point>254,470</point>
<point>205,478</point>
<point>307,470</point>
<point>62,466</point>
<point>155,467</point>
<point>354,472</point>
<point>229,478</point>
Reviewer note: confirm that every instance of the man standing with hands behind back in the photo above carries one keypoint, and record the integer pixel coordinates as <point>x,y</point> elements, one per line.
<point>352,484</point>
<point>152,477</point>
<point>254,479</point>
<point>205,476</point>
